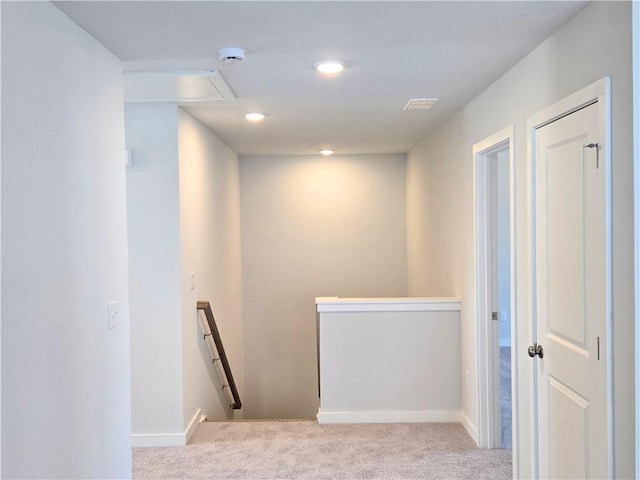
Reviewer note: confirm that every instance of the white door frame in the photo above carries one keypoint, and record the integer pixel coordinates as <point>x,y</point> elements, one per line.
<point>600,92</point>
<point>636,215</point>
<point>486,348</point>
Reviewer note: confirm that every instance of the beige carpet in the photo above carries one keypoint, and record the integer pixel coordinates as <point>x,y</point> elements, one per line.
<point>306,450</point>
<point>505,396</point>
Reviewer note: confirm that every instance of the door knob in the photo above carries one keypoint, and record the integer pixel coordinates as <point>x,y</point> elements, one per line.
<point>534,350</point>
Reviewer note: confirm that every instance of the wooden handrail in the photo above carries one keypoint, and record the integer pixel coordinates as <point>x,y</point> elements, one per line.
<point>222,356</point>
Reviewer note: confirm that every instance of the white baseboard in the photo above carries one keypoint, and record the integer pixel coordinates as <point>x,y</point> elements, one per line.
<point>237,414</point>
<point>167,439</point>
<point>193,424</point>
<point>400,416</point>
<point>158,440</point>
<point>470,428</point>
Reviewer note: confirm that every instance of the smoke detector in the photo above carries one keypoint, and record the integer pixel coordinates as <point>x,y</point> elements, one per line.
<point>231,55</point>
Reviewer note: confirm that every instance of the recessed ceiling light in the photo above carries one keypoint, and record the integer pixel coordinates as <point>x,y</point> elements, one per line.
<point>326,152</point>
<point>330,68</point>
<point>254,116</point>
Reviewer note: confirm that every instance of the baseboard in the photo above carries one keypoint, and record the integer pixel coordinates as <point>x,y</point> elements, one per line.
<point>167,439</point>
<point>470,428</point>
<point>237,414</point>
<point>193,424</point>
<point>399,416</point>
<point>158,440</point>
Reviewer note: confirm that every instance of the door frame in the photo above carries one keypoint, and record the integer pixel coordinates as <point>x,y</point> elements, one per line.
<point>636,215</point>
<point>486,347</point>
<point>597,92</point>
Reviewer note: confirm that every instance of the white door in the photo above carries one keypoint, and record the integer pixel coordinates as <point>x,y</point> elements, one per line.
<point>570,222</point>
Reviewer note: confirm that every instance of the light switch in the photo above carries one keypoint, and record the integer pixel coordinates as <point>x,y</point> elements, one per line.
<point>193,280</point>
<point>113,314</point>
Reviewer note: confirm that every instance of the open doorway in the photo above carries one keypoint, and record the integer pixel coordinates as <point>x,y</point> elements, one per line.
<point>494,232</point>
<point>498,164</point>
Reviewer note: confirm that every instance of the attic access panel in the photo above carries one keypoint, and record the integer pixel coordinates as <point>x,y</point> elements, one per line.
<point>176,87</point>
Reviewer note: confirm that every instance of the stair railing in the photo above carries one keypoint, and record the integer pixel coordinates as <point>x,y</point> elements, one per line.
<point>212,337</point>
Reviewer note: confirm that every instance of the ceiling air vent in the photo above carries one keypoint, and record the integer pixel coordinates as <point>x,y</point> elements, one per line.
<point>420,103</point>
<point>176,87</point>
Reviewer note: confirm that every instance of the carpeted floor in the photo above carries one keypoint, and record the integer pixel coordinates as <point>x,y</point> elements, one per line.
<point>306,450</point>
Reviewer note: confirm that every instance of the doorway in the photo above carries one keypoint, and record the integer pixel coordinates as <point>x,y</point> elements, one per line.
<point>495,262</point>
<point>498,162</point>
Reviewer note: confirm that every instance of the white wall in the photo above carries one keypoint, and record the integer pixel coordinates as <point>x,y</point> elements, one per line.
<point>210,233</point>
<point>66,378</point>
<point>154,269</point>
<point>184,217</point>
<point>311,226</point>
<point>595,43</point>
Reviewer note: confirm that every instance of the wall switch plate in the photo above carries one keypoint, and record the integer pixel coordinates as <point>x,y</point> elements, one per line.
<point>192,278</point>
<point>113,315</point>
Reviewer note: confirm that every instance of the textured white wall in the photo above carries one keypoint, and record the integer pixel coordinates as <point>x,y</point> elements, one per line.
<point>595,43</point>
<point>66,378</point>
<point>210,233</point>
<point>311,226</point>
<point>154,269</point>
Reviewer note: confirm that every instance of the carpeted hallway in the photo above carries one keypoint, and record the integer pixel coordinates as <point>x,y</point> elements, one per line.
<point>306,450</point>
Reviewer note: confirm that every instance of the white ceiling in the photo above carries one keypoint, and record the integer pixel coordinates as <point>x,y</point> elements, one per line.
<point>393,51</point>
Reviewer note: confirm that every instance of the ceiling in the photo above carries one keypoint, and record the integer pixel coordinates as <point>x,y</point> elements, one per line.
<point>393,51</point>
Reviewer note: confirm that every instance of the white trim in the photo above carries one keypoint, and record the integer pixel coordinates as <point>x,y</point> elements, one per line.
<point>513,314</point>
<point>471,429</point>
<point>168,439</point>
<point>409,304</point>
<point>486,434</point>
<point>390,416</point>
<point>528,386</point>
<point>600,92</point>
<point>635,16</point>
<point>158,440</point>
<point>577,100</point>
<point>636,208</point>
<point>193,424</point>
